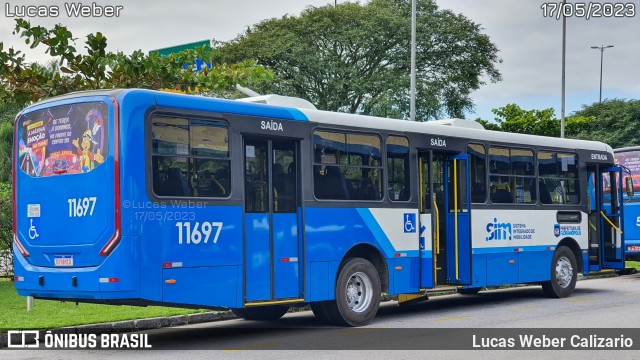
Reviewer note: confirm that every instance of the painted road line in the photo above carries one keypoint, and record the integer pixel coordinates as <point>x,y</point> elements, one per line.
<point>460,317</point>
<point>583,299</point>
<point>632,293</point>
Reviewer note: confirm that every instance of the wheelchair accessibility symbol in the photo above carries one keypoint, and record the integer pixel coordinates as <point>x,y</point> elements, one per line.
<point>409,223</point>
<point>33,233</point>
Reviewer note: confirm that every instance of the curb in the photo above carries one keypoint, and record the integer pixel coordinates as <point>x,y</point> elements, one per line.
<point>134,325</point>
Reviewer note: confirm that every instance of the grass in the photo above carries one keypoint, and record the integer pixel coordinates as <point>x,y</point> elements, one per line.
<point>49,314</point>
<point>632,264</point>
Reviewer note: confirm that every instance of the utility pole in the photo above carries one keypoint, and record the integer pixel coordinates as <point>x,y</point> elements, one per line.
<point>601,48</point>
<point>412,101</point>
<point>564,51</point>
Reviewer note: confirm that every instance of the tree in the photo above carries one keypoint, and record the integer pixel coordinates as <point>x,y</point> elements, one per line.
<point>22,82</point>
<point>512,118</point>
<point>617,122</point>
<point>488,125</point>
<point>6,230</point>
<point>356,58</point>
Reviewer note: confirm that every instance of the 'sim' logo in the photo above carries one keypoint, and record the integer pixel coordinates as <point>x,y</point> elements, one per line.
<point>498,231</point>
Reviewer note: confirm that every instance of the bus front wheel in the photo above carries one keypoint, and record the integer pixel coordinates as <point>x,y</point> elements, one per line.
<point>564,274</point>
<point>263,313</point>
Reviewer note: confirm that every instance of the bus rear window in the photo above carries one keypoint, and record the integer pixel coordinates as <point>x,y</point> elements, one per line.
<point>66,139</point>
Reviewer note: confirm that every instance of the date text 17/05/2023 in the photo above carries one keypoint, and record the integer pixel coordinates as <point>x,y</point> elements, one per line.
<point>588,10</point>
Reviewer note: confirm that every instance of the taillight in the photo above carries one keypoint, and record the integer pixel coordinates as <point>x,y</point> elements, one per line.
<point>14,186</point>
<point>115,239</point>
<point>111,244</point>
<point>21,248</point>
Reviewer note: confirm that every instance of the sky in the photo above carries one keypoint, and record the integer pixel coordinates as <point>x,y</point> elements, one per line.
<point>530,44</point>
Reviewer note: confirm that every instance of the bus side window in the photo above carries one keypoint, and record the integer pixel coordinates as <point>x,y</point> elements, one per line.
<point>190,158</point>
<point>477,159</point>
<point>398,168</point>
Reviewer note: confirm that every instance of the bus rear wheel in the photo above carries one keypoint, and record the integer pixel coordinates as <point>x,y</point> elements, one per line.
<point>321,310</point>
<point>263,313</point>
<point>564,274</point>
<point>357,294</point>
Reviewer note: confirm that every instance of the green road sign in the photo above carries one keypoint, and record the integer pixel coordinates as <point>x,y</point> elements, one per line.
<point>179,48</point>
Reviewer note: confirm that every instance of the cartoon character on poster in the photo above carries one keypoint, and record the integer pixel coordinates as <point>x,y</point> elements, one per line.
<point>86,155</point>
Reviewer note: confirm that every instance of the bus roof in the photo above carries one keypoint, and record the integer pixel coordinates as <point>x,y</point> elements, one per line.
<point>76,94</point>
<point>441,128</point>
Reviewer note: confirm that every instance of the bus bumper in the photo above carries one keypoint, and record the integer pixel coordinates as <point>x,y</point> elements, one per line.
<point>118,277</point>
<point>632,248</point>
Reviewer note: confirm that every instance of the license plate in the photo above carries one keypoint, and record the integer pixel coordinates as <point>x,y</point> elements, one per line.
<point>633,248</point>
<point>63,260</point>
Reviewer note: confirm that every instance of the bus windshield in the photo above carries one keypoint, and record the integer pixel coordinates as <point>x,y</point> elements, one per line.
<point>67,139</point>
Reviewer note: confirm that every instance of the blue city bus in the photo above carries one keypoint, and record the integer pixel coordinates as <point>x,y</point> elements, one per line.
<point>628,159</point>
<point>153,198</point>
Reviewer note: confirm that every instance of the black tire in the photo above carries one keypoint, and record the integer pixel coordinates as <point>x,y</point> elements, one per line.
<point>627,271</point>
<point>321,311</point>
<point>564,274</point>
<point>469,291</point>
<point>263,313</point>
<point>357,294</point>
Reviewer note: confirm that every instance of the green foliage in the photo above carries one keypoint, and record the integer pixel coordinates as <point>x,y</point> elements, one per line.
<point>6,230</point>
<point>356,58</point>
<point>22,83</point>
<point>8,112</point>
<point>48,314</point>
<point>617,122</point>
<point>6,140</point>
<point>488,125</point>
<point>512,118</point>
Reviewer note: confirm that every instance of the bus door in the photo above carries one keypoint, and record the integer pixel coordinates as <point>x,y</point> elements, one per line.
<point>611,220</point>
<point>430,224</point>
<point>448,197</point>
<point>458,234</point>
<point>594,202</point>
<point>271,220</point>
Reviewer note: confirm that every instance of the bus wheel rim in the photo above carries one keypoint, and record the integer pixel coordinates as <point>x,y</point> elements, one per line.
<point>359,292</point>
<point>564,272</point>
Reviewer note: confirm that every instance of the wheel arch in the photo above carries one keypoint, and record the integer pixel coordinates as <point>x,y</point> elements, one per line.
<point>572,244</point>
<point>372,254</point>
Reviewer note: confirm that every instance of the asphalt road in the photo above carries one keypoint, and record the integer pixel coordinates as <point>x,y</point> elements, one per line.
<point>597,303</point>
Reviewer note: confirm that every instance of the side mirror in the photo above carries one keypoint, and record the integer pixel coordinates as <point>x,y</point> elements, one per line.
<point>629,186</point>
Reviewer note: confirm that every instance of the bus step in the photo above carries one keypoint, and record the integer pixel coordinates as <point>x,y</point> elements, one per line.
<point>442,290</point>
<point>443,287</point>
<point>408,299</point>
<point>602,272</point>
